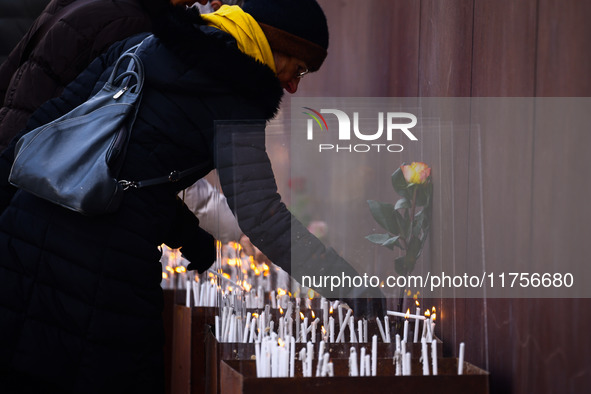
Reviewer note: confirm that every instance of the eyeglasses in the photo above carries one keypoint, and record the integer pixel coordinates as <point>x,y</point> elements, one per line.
<point>304,71</point>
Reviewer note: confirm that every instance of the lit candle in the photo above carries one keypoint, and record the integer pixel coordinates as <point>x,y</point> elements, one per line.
<point>331,329</point>
<point>405,337</point>
<point>407,315</point>
<point>417,325</point>
<point>374,355</point>
<point>434,356</point>
<point>461,359</point>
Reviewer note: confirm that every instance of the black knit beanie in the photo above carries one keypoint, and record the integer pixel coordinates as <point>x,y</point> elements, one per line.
<point>294,27</point>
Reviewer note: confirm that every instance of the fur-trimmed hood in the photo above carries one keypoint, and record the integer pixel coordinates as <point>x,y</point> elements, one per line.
<point>184,33</point>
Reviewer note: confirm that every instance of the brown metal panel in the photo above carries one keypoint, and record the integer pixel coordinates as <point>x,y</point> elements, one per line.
<point>563,56</point>
<point>504,48</point>
<point>445,48</point>
<point>373,50</point>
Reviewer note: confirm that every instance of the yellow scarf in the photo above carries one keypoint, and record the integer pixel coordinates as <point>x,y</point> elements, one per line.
<point>247,32</point>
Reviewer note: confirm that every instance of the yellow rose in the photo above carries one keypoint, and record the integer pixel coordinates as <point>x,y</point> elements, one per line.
<point>416,172</point>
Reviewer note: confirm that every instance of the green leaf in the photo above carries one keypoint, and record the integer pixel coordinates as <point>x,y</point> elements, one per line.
<point>403,223</point>
<point>384,214</point>
<point>424,193</point>
<point>383,239</point>
<point>399,184</point>
<point>414,249</point>
<point>402,204</point>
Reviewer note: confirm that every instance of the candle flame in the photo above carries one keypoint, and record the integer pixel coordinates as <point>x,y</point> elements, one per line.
<point>323,330</point>
<point>281,292</point>
<point>225,275</point>
<point>280,310</point>
<point>310,294</point>
<point>433,310</point>
<point>433,316</point>
<point>255,315</point>
<point>246,286</point>
<point>427,313</point>
<point>313,315</point>
<point>407,314</point>
<point>301,316</point>
<point>180,269</point>
<point>417,302</point>
<point>170,269</point>
<point>330,310</point>
<point>280,342</point>
<point>164,275</point>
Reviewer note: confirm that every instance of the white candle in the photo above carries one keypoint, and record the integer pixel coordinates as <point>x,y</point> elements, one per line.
<point>340,309</point>
<point>405,331</point>
<point>367,365</point>
<point>320,354</point>
<point>232,329</point>
<point>274,360</point>
<point>365,331</point>
<point>324,371</point>
<point>353,371</point>
<point>246,327</point>
<point>461,359</point>
<point>360,330</point>
<point>425,358</point>
<point>409,316</point>
<point>303,359</point>
<point>417,325</point>
<point>374,355</point>
<point>217,328</point>
<point>352,329</point>
<point>387,329</point>
<point>292,355</point>
<point>252,328</point>
<point>195,287</point>
<point>343,325</point>
<point>381,329</point>
<point>305,330</point>
<point>408,364</point>
<point>398,343</point>
<point>398,361</point>
<point>257,353</point>
<point>434,356</point>
<point>362,362</point>
<point>309,357</point>
<point>429,330</point>
<point>331,329</point>
<point>330,370</point>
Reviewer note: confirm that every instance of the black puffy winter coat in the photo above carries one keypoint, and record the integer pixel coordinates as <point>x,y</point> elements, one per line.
<point>80,297</point>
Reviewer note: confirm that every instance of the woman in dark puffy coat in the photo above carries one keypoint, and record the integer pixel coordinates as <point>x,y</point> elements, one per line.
<point>80,297</point>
